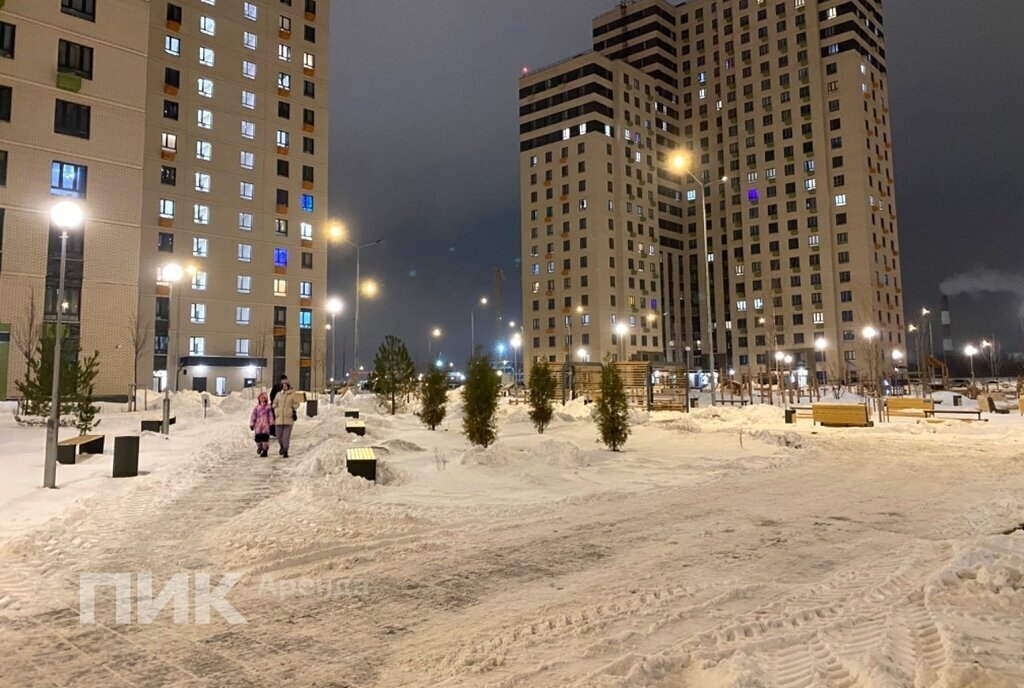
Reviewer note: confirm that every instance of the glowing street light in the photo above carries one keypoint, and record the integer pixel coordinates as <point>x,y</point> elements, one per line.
<point>515,342</point>
<point>339,234</point>
<point>66,216</point>
<point>970,351</point>
<point>620,331</point>
<point>581,353</point>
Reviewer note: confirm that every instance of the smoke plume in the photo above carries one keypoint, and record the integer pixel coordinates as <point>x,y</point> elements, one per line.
<point>984,281</point>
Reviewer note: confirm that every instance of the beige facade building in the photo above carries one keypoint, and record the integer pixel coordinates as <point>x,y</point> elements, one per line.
<point>196,135</point>
<point>781,109</point>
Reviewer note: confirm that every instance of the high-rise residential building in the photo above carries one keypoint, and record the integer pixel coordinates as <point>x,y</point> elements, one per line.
<point>773,115</point>
<point>193,133</point>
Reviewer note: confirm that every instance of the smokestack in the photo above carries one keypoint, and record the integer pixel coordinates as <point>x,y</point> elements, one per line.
<point>947,328</point>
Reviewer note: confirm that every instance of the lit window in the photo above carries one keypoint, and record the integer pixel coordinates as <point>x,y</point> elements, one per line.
<point>169,142</point>
<point>281,257</point>
<point>840,200</point>
<point>280,287</point>
<point>208,25</point>
<point>204,150</point>
<point>819,318</point>
<point>244,284</point>
<point>202,182</point>
<point>204,119</point>
<point>241,347</point>
<point>243,315</point>
<point>307,203</point>
<point>248,130</point>
<point>167,208</point>
<point>172,45</point>
<point>201,214</point>
<point>741,306</point>
<point>305,319</point>
<point>284,24</point>
<point>245,253</point>
<point>205,87</point>
<point>691,195</point>
<point>306,231</point>
<point>249,40</point>
<point>248,100</point>
<point>249,10</point>
<point>284,81</point>
<point>284,52</point>
<point>248,160</point>
<point>245,222</point>
<point>197,346</point>
<point>199,281</point>
<point>810,184</point>
<point>206,57</point>
<point>198,313</point>
<point>305,290</point>
<point>248,69</point>
<point>245,190</point>
<point>308,61</point>
<point>283,139</point>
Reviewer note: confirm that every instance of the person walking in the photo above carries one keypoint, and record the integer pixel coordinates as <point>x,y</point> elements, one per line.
<point>274,391</point>
<point>260,422</point>
<point>286,404</point>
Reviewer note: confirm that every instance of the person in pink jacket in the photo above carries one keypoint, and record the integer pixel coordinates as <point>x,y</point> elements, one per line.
<point>260,422</point>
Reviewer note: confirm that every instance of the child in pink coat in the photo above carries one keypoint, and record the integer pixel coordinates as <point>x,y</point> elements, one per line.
<point>260,421</point>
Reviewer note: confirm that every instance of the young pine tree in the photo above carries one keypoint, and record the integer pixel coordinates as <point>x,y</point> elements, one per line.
<point>394,373</point>
<point>542,393</point>
<point>36,387</point>
<point>612,409</point>
<point>434,399</point>
<point>85,377</point>
<point>481,402</point>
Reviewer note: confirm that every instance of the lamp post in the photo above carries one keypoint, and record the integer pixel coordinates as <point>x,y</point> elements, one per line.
<point>516,342</point>
<point>970,350</point>
<point>338,233</point>
<point>334,307</point>
<point>472,325</point>
<point>568,324</point>
<point>434,334</point>
<point>897,356</point>
<point>820,345</point>
<point>66,216</point>
<point>171,274</point>
<point>788,359</point>
<point>620,331</point>
<point>682,165</point>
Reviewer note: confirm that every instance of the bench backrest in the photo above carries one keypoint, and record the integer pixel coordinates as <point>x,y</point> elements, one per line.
<point>840,413</point>
<point>910,403</point>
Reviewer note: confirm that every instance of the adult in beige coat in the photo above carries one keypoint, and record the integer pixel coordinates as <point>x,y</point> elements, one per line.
<point>286,405</point>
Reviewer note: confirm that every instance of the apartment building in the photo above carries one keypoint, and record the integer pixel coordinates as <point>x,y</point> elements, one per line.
<point>201,128</point>
<point>781,110</point>
<point>72,125</point>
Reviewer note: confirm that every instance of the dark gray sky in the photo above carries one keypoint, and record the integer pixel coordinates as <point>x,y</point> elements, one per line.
<point>424,148</point>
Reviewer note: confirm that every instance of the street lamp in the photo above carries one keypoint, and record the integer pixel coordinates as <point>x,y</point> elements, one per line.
<point>434,334</point>
<point>682,164</point>
<point>338,234</point>
<point>581,353</point>
<point>65,216</point>
<point>333,307</point>
<point>472,324</point>
<point>621,331</point>
<point>171,274</point>
<point>970,351</point>
<point>516,342</point>
<point>568,324</point>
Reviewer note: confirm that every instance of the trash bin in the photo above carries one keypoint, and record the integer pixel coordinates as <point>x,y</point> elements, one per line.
<point>790,416</point>
<point>126,456</point>
<point>312,407</point>
<point>693,403</point>
<point>958,400</point>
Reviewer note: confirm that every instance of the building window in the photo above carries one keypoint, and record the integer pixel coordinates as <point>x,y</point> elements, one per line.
<point>206,56</point>
<point>284,52</point>
<point>168,175</point>
<point>305,319</point>
<point>248,130</point>
<point>6,92</point>
<point>241,348</point>
<point>68,179</point>
<point>204,119</point>
<point>249,40</point>
<point>282,139</point>
<point>169,142</point>
<point>245,253</point>
<point>309,89</point>
<point>280,287</point>
<point>284,81</point>
<point>307,260</point>
<point>205,87</point>
<point>307,203</point>
<point>242,315</point>
<point>167,208</point>
<point>172,45</point>
<point>249,11</point>
<point>196,346</point>
<point>84,9</point>
<point>245,190</point>
<point>201,214</point>
<point>308,60</point>
<point>208,25</point>
<point>281,257</point>
<point>840,200</point>
<point>283,168</point>
<point>309,34</point>
<point>202,182</point>
<point>305,290</point>
<point>204,150</point>
<point>173,13</point>
<point>247,160</point>
<point>248,100</point>
<point>165,242</point>
<point>198,313</point>
<point>281,226</point>
<point>71,119</point>
<point>308,117</point>
<point>172,77</point>
<point>284,24</point>
<point>7,32</point>
<point>284,110</point>
<point>307,145</point>
<point>199,281</point>
<point>306,231</point>
<point>245,222</point>
<point>244,284</point>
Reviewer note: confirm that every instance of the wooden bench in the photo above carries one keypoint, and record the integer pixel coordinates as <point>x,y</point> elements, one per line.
<point>912,407</point>
<point>954,411</point>
<point>355,427</point>
<point>731,402</point>
<point>802,412</point>
<point>841,415</point>
<point>361,462</point>
<point>85,444</point>
<point>151,425</point>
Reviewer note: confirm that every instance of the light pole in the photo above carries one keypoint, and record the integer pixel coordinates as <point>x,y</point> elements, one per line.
<point>621,331</point>
<point>434,334</point>
<point>334,307</point>
<point>579,309</point>
<point>682,165</point>
<point>338,233</point>
<point>517,341</point>
<point>171,274</point>
<point>820,344</point>
<point>789,377</point>
<point>66,216</point>
<point>970,351</point>
<point>472,325</point>
<point>897,356</point>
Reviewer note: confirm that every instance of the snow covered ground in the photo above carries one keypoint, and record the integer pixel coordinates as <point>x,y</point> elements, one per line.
<point>722,548</point>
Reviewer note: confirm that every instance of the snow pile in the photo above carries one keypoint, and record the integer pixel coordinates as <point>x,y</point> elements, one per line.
<point>988,566</point>
<point>548,453</point>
